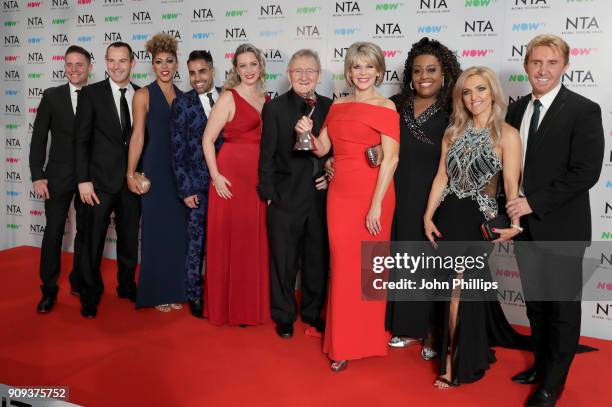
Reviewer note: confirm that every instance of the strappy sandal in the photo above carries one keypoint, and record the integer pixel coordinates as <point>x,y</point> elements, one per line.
<point>176,306</point>
<point>163,308</point>
<point>447,383</point>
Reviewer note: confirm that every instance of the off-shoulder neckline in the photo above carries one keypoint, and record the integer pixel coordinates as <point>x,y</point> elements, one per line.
<point>364,103</point>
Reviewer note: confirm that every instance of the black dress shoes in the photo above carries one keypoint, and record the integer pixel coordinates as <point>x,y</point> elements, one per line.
<point>46,304</point>
<point>319,325</point>
<point>196,308</point>
<point>543,398</point>
<point>89,311</point>
<point>285,331</point>
<point>529,376</point>
<point>127,295</point>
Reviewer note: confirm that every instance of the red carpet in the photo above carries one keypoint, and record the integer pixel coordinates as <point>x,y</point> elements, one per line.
<point>146,358</point>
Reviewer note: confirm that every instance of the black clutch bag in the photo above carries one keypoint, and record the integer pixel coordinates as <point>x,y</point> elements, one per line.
<point>499,222</point>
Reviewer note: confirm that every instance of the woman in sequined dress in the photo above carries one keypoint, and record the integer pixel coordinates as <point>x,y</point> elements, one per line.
<point>479,150</point>
<point>430,72</point>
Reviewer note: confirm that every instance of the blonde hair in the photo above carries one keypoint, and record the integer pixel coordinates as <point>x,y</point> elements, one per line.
<point>233,79</point>
<point>461,115</point>
<point>548,40</point>
<point>367,52</point>
<point>162,42</point>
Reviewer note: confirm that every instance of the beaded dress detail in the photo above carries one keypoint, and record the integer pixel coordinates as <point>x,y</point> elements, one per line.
<point>473,170</point>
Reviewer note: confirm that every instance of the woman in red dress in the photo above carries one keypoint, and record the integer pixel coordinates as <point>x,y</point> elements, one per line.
<point>360,203</point>
<point>236,277</point>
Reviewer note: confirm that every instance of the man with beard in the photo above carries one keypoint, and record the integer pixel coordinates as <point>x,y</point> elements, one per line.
<point>190,112</point>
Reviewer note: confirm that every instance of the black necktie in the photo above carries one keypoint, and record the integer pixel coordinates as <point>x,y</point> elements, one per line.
<point>124,111</point>
<point>210,99</point>
<point>535,119</point>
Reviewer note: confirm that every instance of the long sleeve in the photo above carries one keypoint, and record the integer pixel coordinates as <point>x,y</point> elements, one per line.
<point>179,145</point>
<point>586,157</point>
<point>83,129</point>
<point>40,136</point>
<point>267,150</point>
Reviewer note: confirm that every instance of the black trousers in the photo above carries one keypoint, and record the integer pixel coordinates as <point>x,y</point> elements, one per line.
<point>298,241</point>
<point>56,211</point>
<point>551,284</point>
<point>126,206</point>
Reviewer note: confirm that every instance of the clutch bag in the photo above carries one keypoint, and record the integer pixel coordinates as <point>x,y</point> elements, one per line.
<point>499,222</point>
<point>144,182</point>
<point>374,155</point>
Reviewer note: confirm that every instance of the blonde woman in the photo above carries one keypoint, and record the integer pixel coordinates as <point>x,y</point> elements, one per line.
<point>477,148</point>
<point>360,203</point>
<point>236,279</point>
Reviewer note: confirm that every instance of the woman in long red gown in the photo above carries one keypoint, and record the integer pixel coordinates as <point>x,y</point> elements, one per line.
<point>360,204</point>
<point>236,274</point>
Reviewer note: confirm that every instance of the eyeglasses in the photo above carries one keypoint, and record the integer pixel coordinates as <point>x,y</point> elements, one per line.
<point>307,72</point>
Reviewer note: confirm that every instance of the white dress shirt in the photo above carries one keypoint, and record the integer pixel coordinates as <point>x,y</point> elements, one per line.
<point>206,103</point>
<point>546,101</point>
<point>129,95</point>
<point>73,96</point>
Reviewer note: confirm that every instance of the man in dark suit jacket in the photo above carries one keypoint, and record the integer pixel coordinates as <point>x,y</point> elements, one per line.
<point>563,147</point>
<point>56,182</point>
<point>189,115</point>
<point>103,127</point>
<point>293,184</point>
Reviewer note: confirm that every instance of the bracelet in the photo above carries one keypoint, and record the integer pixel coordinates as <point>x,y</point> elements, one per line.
<point>517,227</point>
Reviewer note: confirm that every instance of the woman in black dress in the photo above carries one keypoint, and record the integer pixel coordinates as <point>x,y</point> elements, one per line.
<point>430,72</point>
<point>481,155</point>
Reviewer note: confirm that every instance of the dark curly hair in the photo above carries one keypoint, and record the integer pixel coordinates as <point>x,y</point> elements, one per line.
<point>450,69</point>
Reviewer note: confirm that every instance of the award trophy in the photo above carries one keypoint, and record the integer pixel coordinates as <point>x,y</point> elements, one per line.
<point>303,140</point>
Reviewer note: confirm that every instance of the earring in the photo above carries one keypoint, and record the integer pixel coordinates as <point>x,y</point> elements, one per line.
<point>410,85</point>
<point>442,80</point>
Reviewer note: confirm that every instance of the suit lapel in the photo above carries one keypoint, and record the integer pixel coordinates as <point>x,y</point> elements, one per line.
<point>110,101</point>
<point>66,103</point>
<point>549,118</point>
<point>517,118</point>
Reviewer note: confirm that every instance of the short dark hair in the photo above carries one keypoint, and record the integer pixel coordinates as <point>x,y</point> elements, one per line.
<point>119,44</point>
<point>75,49</point>
<point>201,54</point>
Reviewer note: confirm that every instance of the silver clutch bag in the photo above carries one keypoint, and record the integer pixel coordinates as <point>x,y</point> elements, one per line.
<point>144,182</point>
<point>374,155</point>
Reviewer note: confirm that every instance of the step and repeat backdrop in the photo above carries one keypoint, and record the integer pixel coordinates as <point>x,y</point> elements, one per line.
<point>35,35</point>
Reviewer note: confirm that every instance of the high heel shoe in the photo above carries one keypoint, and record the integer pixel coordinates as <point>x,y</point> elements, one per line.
<point>339,365</point>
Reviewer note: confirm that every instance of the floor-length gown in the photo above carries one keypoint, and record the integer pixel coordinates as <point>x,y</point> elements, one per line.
<point>236,275</point>
<point>420,147</point>
<point>474,171</point>
<point>164,215</point>
<point>355,328</point>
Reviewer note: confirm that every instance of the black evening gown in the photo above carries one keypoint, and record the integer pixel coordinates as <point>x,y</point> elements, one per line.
<point>417,167</point>
<point>474,170</point>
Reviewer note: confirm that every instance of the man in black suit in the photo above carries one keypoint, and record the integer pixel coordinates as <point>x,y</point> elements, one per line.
<point>103,128</point>
<point>293,185</point>
<point>563,145</point>
<point>56,182</point>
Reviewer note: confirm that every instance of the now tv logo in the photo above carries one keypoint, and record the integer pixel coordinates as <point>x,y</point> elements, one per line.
<point>575,52</point>
<point>391,53</point>
<point>34,4</point>
<point>602,285</point>
<point>12,160</point>
<point>35,212</point>
<point>32,110</point>
<point>10,58</point>
<point>57,58</point>
<point>476,52</point>
<point>229,55</point>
